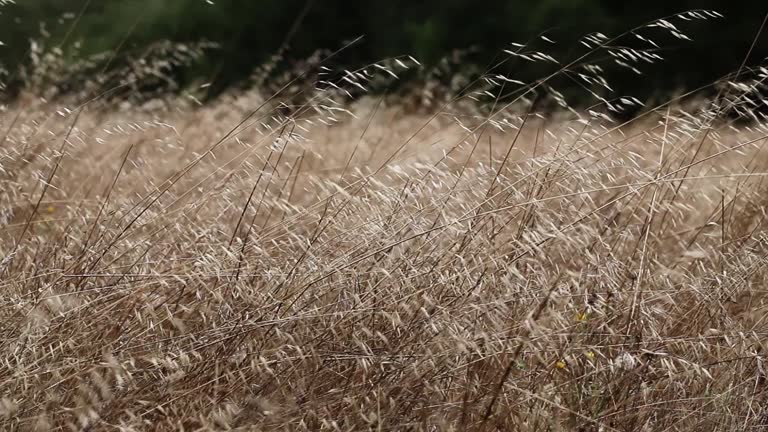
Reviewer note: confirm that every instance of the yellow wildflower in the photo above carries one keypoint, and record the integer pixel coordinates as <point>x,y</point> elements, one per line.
<point>561,364</point>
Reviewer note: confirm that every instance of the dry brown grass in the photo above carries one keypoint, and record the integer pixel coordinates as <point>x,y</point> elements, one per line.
<point>390,272</point>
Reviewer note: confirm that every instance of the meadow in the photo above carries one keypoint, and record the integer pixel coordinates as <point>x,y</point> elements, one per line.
<point>337,263</point>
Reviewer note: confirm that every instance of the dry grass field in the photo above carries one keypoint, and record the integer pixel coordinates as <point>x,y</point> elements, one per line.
<point>237,266</point>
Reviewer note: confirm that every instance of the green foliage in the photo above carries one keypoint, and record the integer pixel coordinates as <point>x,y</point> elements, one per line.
<point>250,32</point>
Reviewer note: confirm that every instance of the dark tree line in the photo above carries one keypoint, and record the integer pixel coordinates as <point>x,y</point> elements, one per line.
<point>249,33</point>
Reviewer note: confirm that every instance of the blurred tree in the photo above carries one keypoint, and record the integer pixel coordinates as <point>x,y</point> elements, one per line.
<point>250,32</point>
